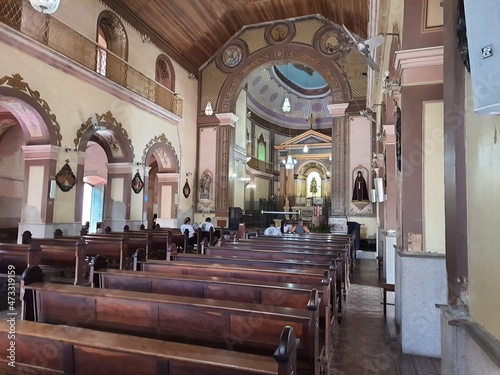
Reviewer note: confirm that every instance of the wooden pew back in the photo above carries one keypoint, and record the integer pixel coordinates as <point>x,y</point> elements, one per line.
<point>49,349</point>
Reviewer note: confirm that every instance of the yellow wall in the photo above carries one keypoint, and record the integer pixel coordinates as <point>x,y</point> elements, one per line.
<point>483,207</point>
<point>433,181</point>
<point>73,101</point>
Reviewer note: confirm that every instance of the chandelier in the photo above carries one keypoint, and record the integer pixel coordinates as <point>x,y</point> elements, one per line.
<point>45,6</point>
<point>289,162</point>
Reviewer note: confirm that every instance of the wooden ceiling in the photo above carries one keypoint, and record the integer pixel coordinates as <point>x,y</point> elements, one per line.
<point>192,31</point>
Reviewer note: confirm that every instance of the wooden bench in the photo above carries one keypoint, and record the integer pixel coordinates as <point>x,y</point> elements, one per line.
<point>19,256</point>
<point>49,349</point>
<point>228,289</point>
<point>235,326</point>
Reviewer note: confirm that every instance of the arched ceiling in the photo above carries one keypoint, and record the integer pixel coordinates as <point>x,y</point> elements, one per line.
<point>306,90</point>
<point>191,31</point>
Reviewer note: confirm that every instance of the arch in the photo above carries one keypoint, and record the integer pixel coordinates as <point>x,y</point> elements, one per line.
<point>165,73</point>
<point>270,55</point>
<point>110,135</point>
<point>114,33</point>
<point>27,108</point>
<point>111,36</point>
<point>161,149</point>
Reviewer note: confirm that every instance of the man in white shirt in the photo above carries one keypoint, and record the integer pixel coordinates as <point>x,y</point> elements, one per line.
<point>187,225</point>
<point>272,230</point>
<point>207,225</point>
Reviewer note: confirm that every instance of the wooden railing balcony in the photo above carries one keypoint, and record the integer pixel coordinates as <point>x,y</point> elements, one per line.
<point>45,29</point>
<point>260,165</point>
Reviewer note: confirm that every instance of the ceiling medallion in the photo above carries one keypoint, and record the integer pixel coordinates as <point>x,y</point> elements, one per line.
<point>232,56</point>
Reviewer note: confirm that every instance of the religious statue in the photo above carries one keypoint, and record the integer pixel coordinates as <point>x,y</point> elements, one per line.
<point>205,182</point>
<point>314,186</point>
<point>360,193</point>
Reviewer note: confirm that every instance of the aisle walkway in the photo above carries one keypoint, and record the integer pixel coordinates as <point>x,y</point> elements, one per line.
<point>367,343</point>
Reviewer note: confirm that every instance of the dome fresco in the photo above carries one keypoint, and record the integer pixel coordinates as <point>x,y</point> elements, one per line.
<point>306,90</point>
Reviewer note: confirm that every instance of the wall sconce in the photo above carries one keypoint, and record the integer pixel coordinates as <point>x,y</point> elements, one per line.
<point>145,38</point>
<point>191,76</point>
<point>69,149</point>
<point>209,111</point>
<point>388,84</point>
<point>233,176</point>
<point>189,174</point>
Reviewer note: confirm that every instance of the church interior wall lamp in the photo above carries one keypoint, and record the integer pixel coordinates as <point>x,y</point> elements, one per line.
<point>209,111</point>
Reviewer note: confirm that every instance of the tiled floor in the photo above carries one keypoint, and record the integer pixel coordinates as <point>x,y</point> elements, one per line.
<point>367,343</point>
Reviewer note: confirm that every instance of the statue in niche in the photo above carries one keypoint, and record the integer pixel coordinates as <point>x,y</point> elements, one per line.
<point>205,182</point>
<point>314,186</point>
<point>360,193</point>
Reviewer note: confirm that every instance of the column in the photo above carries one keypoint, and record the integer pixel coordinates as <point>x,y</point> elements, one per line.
<point>168,198</point>
<point>225,143</point>
<point>37,206</point>
<point>117,195</point>
<point>338,165</point>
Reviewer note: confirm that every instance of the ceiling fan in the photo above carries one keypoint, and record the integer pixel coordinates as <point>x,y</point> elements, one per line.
<point>365,47</point>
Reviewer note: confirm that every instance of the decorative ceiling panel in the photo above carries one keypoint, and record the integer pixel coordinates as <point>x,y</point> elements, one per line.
<point>192,31</point>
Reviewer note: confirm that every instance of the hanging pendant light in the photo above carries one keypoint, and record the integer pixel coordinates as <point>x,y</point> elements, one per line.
<point>286,105</point>
<point>45,6</point>
<point>290,162</point>
<point>208,109</point>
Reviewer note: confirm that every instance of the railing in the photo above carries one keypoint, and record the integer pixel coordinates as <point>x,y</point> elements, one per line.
<point>261,166</point>
<point>19,15</point>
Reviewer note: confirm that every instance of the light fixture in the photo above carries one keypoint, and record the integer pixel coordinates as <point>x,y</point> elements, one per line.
<point>209,111</point>
<point>286,105</point>
<point>305,149</point>
<point>290,162</point>
<point>45,6</point>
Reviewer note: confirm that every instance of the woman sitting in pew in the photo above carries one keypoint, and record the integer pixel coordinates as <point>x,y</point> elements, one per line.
<point>300,228</point>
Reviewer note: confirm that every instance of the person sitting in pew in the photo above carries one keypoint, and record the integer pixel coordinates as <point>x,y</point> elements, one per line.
<point>187,226</point>
<point>272,230</point>
<point>300,228</point>
<point>207,225</point>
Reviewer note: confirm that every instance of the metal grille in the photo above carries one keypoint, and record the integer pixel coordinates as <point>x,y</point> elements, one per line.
<point>305,31</point>
<point>213,79</point>
<point>255,39</point>
<point>19,15</point>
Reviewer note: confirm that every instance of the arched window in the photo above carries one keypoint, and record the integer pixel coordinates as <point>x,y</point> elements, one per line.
<point>101,52</point>
<point>111,37</point>
<point>165,74</point>
<point>261,148</point>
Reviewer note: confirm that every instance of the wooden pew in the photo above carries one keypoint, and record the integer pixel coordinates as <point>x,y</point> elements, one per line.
<point>278,250</point>
<point>19,256</point>
<point>48,349</point>
<point>303,243</point>
<point>117,249</point>
<point>223,324</point>
<point>228,289</point>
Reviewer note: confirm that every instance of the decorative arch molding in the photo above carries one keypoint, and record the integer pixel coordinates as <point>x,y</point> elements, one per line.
<point>312,166</point>
<point>12,99</point>
<point>165,72</point>
<point>110,135</point>
<point>294,53</point>
<point>115,33</point>
<point>162,150</point>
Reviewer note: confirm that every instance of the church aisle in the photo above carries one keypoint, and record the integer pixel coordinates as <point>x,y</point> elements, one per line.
<point>367,343</point>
